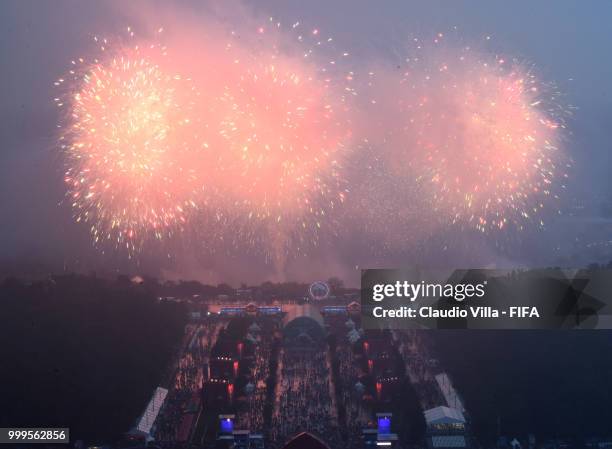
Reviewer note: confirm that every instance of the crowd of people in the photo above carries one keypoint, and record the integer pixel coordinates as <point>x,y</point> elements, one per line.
<point>251,415</point>
<point>358,413</point>
<point>304,397</point>
<point>420,367</point>
<point>183,400</point>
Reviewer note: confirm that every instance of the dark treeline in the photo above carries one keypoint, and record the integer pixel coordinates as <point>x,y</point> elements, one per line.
<point>550,383</point>
<point>83,353</point>
<point>262,292</point>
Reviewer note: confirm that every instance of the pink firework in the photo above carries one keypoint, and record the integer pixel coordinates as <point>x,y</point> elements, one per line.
<point>482,136</point>
<point>129,144</point>
<point>285,131</point>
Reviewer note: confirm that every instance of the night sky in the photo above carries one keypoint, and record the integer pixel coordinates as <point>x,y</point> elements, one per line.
<point>568,42</point>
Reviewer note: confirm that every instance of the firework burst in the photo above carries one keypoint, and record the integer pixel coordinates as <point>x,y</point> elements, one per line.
<point>285,131</point>
<point>481,135</point>
<point>129,144</point>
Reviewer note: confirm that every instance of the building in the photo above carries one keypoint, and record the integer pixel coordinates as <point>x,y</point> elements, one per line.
<point>446,428</point>
<point>303,326</point>
<point>230,438</point>
<point>382,436</point>
<point>448,391</point>
<point>305,440</point>
<point>145,426</point>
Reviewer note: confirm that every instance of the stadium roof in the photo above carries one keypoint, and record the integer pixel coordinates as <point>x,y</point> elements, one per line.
<point>299,311</point>
<point>448,391</point>
<point>443,415</point>
<point>146,421</point>
<point>305,441</point>
<point>450,441</point>
<point>303,323</point>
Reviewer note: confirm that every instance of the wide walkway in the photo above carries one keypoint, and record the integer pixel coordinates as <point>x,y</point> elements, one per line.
<point>304,397</point>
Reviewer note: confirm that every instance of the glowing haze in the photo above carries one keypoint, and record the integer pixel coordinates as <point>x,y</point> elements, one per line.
<point>467,138</point>
<point>483,139</point>
<point>251,136</point>
<point>285,124</point>
<point>286,132</point>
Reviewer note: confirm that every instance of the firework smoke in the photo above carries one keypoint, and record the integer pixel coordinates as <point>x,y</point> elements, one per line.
<point>247,138</point>
<point>286,130</point>
<point>255,145</point>
<point>477,137</point>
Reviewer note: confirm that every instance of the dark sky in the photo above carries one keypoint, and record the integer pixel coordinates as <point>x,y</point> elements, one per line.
<point>569,42</point>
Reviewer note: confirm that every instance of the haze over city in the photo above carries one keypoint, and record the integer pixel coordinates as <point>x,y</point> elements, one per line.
<point>560,42</point>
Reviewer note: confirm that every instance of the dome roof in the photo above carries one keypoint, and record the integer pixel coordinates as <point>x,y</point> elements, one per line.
<point>305,440</point>
<point>303,323</point>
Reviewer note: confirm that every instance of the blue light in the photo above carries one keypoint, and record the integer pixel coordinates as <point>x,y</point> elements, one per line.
<point>384,424</point>
<point>227,425</point>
